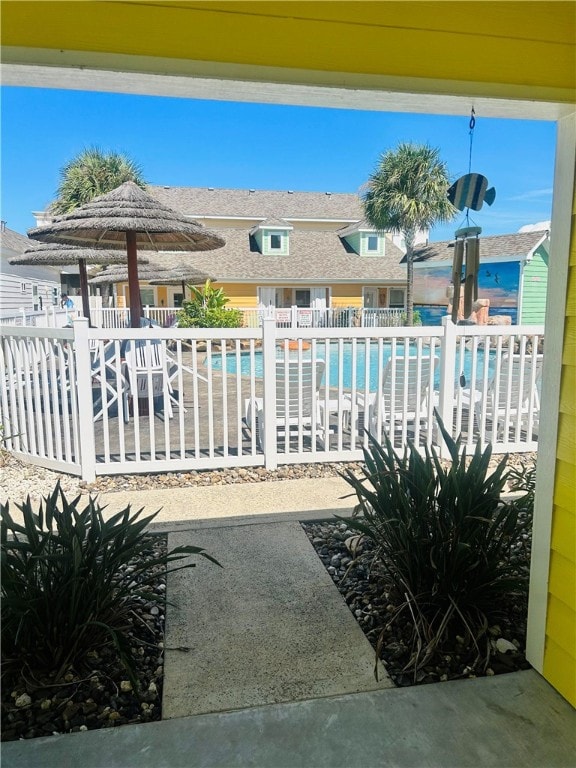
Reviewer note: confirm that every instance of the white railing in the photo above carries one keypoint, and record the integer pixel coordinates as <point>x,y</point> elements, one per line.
<point>120,400</point>
<point>49,317</point>
<point>334,317</point>
<point>252,317</point>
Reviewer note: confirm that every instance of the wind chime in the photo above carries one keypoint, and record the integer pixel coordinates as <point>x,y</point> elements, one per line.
<point>469,192</point>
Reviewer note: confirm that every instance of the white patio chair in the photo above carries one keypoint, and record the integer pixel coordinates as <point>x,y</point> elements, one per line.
<point>110,378</point>
<point>149,371</point>
<point>406,386</point>
<point>298,403</point>
<point>513,397</point>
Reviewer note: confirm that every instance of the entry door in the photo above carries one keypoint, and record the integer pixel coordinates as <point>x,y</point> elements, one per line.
<point>370,297</point>
<point>318,298</point>
<point>266,297</point>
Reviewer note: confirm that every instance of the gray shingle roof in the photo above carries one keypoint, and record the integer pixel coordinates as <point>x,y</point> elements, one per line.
<point>260,204</point>
<point>315,256</point>
<point>492,246</point>
<point>355,227</point>
<point>15,241</point>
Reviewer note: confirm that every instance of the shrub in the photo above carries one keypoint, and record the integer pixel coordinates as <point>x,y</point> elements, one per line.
<point>66,587</point>
<point>416,318</point>
<point>207,309</point>
<point>443,538</point>
<point>523,479</point>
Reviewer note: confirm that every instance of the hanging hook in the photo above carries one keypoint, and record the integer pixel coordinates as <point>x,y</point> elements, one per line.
<point>471,124</point>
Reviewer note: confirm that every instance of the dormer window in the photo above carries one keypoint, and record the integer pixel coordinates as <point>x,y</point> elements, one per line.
<point>372,243</point>
<point>363,240</point>
<point>275,241</point>
<point>272,237</point>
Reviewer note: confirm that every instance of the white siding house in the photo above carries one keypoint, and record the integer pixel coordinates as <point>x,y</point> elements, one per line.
<point>29,288</point>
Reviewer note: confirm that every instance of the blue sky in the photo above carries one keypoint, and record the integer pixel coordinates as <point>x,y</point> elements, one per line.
<point>181,142</point>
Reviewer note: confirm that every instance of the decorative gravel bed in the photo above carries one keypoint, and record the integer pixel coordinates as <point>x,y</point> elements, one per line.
<point>20,479</point>
<point>350,562</point>
<point>100,694</point>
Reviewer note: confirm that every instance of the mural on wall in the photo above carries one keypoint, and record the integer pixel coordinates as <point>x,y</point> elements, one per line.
<point>498,281</point>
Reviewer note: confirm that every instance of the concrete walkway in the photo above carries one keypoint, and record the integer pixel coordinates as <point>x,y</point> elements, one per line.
<point>274,606</point>
<point>268,627</point>
<point>206,506</point>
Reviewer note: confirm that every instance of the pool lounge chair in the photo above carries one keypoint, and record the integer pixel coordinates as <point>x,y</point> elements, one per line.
<point>513,399</point>
<point>298,403</point>
<point>406,385</point>
<point>149,372</point>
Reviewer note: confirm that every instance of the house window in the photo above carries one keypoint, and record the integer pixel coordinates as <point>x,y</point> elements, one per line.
<point>302,298</point>
<point>372,243</point>
<point>147,297</point>
<point>396,298</point>
<point>275,242</point>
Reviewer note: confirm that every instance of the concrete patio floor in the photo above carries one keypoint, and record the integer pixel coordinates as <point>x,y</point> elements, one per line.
<point>509,721</point>
<point>268,686</point>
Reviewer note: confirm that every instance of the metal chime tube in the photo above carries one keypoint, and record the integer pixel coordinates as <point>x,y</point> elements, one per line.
<point>474,252</point>
<point>456,275</point>
<point>469,279</point>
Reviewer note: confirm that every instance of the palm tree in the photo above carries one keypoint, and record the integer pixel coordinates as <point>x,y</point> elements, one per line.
<point>407,193</point>
<point>92,173</point>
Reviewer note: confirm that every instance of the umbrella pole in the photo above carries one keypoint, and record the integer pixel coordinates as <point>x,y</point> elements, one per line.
<point>133,284</point>
<point>84,290</point>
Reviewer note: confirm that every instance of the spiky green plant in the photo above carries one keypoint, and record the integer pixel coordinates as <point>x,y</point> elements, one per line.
<point>443,537</point>
<point>65,583</point>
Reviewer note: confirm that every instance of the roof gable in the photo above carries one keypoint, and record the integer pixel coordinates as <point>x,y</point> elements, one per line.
<point>506,247</point>
<point>271,223</point>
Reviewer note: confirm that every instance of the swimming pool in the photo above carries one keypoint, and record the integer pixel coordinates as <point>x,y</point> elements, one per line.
<point>374,364</point>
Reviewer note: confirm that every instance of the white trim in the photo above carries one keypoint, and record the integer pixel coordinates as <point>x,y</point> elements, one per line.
<point>520,302</point>
<point>273,228</point>
<point>184,78</point>
<point>312,281</point>
<point>552,373</point>
<point>504,259</point>
<point>257,219</point>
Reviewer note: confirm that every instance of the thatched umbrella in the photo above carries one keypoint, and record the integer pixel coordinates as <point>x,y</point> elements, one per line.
<point>128,218</point>
<point>150,273</point>
<point>181,275</point>
<point>54,255</point>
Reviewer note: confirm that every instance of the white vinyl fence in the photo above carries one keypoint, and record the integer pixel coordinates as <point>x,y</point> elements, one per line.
<point>291,317</point>
<point>121,400</point>
<point>50,317</point>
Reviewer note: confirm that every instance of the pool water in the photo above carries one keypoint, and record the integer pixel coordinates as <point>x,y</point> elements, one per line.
<point>462,376</point>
